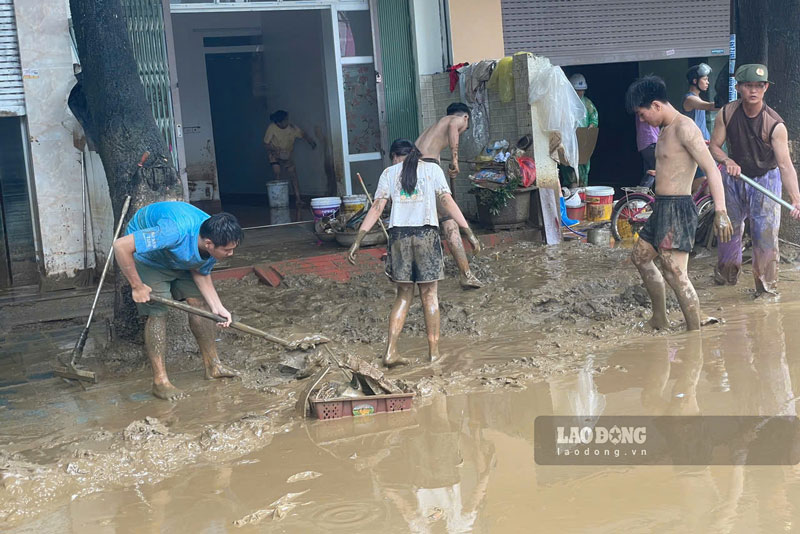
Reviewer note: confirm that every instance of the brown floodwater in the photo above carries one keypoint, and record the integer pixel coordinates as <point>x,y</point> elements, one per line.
<point>463,462</point>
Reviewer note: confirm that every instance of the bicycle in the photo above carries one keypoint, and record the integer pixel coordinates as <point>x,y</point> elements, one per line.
<point>631,213</point>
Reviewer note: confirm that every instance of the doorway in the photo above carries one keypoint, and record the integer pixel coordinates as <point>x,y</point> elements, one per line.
<point>615,161</point>
<point>236,108</point>
<point>17,249</point>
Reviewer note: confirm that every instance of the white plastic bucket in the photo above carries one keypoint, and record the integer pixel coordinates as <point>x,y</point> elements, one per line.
<point>325,206</point>
<point>280,215</point>
<point>278,193</point>
<point>354,203</point>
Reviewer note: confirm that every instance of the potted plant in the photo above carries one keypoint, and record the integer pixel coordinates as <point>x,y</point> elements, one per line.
<point>503,205</point>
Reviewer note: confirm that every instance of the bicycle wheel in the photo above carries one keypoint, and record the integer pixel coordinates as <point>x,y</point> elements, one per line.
<point>705,221</point>
<point>630,214</point>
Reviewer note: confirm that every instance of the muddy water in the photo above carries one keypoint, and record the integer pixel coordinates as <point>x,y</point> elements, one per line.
<point>464,462</point>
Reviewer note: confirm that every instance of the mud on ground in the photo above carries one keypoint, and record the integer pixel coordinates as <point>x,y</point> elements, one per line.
<point>542,311</point>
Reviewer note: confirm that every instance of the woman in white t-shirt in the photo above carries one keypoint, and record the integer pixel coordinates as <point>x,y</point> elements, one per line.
<point>414,249</point>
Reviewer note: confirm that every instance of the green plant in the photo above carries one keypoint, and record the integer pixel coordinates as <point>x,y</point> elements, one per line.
<point>497,199</point>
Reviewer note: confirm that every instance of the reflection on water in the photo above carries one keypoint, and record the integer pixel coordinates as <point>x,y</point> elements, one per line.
<point>465,463</point>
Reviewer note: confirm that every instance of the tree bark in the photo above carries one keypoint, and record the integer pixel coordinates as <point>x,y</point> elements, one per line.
<point>784,72</point>
<point>752,44</point>
<point>119,120</point>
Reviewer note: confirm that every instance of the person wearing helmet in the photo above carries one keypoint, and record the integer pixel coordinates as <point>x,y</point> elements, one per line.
<point>695,107</point>
<point>589,120</point>
<point>757,146</point>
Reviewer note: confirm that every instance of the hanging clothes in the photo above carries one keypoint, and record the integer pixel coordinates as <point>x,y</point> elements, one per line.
<point>453,70</point>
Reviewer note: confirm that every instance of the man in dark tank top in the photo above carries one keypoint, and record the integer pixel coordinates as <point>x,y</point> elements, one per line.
<point>758,147</point>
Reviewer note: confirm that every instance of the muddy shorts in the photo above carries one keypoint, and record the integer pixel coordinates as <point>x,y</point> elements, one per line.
<point>167,283</point>
<point>672,224</point>
<point>276,159</point>
<point>415,254</point>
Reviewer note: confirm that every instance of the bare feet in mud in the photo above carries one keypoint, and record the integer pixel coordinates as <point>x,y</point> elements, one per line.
<point>167,391</point>
<point>766,296</point>
<point>657,324</point>
<point>217,370</point>
<point>394,361</point>
<point>468,281</point>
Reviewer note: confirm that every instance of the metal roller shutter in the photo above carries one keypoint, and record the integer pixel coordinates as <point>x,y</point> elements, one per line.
<point>12,93</point>
<point>580,32</point>
<point>399,75</point>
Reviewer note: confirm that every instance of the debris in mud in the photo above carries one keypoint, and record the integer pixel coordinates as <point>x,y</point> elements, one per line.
<point>480,266</point>
<point>254,518</point>
<point>277,510</point>
<point>144,429</point>
<point>366,370</point>
<point>305,475</point>
<point>435,514</point>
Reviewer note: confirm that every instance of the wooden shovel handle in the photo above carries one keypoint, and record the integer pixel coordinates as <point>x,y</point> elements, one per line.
<point>219,319</point>
<point>369,197</point>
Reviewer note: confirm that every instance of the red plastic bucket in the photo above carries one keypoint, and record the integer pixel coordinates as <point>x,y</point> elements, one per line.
<point>577,213</point>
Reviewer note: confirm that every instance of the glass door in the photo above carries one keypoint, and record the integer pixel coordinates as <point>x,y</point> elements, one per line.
<point>360,100</point>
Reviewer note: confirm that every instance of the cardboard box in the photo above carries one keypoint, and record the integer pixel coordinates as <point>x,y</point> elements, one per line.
<point>587,139</point>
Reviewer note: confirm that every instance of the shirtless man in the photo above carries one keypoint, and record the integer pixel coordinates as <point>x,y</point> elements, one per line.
<point>431,143</point>
<point>669,232</point>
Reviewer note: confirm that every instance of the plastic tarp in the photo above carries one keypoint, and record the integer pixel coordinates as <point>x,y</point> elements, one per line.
<point>560,109</point>
<point>502,79</point>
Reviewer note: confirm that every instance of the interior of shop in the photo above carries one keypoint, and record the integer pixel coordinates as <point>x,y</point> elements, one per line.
<point>615,161</point>
<point>234,70</point>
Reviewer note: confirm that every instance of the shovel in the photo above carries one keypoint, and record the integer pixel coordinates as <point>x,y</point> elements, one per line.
<point>308,342</point>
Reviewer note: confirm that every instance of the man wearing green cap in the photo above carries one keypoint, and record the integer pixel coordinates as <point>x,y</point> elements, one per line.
<point>758,147</point>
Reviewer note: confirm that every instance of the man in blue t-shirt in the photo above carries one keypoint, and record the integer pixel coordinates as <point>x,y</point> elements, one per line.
<point>695,107</point>
<point>169,250</point>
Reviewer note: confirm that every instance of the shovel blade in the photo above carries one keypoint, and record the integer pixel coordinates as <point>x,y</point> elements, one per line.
<point>308,342</point>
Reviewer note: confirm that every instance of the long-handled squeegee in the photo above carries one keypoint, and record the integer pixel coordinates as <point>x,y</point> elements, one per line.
<point>69,370</point>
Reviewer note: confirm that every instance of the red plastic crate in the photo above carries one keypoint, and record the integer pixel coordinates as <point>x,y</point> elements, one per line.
<point>349,407</point>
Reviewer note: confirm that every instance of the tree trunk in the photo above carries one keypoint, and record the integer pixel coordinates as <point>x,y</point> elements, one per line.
<point>752,44</point>
<point>784,71</point>
<point>119,120</point>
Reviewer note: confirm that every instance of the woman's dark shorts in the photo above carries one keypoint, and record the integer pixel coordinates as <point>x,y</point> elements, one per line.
<point>415,254</point>
<point>672,224</point>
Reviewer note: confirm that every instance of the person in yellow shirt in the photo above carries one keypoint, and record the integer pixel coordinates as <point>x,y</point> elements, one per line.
<point>279,142</point>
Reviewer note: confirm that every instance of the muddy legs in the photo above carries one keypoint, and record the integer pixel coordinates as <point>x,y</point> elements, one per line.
<point>291,170</point>
<point>642,257</point>
<point>155,343</point>
<point>397,318</point>
<point>675,266</point>
<point>204,330</point>
<point>430,307</point>
<point>428,293</point>
<point>453,237</point>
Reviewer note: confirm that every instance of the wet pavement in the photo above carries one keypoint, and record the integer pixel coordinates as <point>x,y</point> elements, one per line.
<point>465,462</point>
